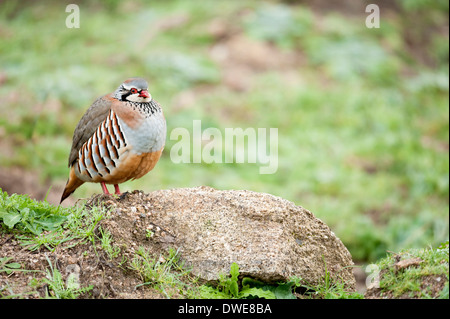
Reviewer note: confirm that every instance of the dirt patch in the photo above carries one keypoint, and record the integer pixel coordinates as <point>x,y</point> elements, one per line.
<point>108,278</point>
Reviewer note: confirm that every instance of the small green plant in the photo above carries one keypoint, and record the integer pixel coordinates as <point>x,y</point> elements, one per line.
<point>106,244</point>
<point>40,224</point>
<point>83,222</point>
<point>444,292</point>
<point>149,233</point>
<point>228,287</point>
<point>58,289</point>
<point>25,214</point>
<point>327,288</point>
<point>281,290</point>
<point>47,239</point>
<point>7,266</point>
<point>164,273</point>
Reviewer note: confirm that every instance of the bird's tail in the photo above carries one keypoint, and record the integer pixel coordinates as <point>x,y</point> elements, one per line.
<point>72,184</point>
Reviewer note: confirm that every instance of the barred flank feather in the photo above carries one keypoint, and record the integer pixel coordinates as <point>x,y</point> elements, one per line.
<point>99,155</point>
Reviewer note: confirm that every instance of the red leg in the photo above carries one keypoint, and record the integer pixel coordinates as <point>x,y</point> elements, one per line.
<point>116,187</point>
<point>105,190</point>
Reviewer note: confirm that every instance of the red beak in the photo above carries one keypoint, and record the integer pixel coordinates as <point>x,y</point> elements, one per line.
<point>144,93</point>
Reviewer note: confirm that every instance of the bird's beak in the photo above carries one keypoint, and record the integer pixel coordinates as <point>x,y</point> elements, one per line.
<point>144,93</point>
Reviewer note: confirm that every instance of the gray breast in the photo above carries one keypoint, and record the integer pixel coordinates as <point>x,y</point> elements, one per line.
<point>148,137</point>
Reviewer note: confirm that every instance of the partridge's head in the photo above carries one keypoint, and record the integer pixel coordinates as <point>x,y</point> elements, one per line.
<point>133,90</point>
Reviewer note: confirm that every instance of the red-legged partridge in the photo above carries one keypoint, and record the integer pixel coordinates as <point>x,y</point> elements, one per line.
<point>120,137</point>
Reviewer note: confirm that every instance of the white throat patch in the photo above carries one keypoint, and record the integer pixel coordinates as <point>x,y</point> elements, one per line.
<point>136,98</point>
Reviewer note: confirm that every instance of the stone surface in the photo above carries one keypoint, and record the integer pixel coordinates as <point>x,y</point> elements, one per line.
<point>270,238</point>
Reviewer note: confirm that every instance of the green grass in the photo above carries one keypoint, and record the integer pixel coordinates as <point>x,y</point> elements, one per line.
<point>7,266</point>
<point>229,287</point>
<point>410,282</point>
<point>58,289</point>
<point>21,212</point>
<point>165,274</point>
<point>39,224</point>
<point>362,120</point>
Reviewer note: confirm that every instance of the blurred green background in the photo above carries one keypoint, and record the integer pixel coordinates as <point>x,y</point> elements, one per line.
<point>362,114</point>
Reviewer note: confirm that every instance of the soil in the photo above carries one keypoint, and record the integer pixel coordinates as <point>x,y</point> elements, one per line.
<point>109,278</point>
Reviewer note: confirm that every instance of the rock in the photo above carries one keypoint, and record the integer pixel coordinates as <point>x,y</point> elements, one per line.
<point>405,263</point>
<point>270,238</point>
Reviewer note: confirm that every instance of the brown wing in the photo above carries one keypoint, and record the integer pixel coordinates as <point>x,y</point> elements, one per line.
<point>89,123</point>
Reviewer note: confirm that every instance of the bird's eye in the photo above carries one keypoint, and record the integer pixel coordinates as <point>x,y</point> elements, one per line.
<point>133,91</point>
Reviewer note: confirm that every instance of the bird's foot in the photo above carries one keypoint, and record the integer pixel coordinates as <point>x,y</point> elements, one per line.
<point>123,195</point>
